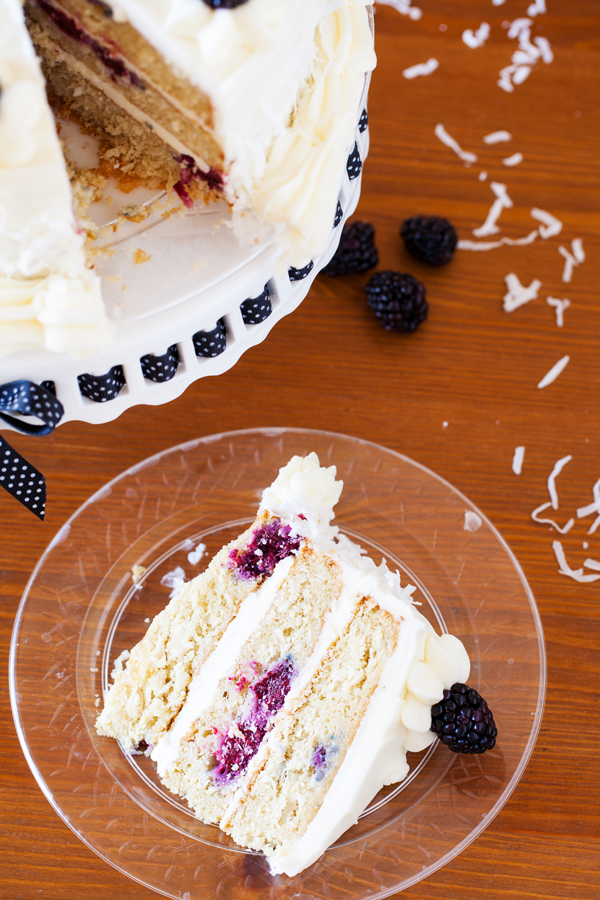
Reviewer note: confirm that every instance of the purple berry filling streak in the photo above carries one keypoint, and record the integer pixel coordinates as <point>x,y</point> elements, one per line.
<point>268,546</point>
<point>191,172</point>
<point>118,70</point>
<point>120,73</point>
<point>236,750</point>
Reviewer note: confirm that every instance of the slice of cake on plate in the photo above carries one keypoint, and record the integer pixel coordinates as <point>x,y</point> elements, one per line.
<point>254,102</point>
<point>281,689</point>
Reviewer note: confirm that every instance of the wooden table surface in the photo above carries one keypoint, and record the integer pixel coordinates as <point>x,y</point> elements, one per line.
<point>458,396</point>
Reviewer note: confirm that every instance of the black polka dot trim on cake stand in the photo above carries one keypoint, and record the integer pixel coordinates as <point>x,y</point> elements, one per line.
<point>257,309</point>
<point>339,215</point>
<point>363,122</point>
<point>300,274</point>
<point>101,388</point>
<point>161,368</point>
<point>211,343</point>
<point>354,164</point>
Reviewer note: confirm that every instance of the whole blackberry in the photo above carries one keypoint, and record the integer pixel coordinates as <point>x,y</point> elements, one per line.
<point>398,300</point>
<point>430,239</point>
<point>463,721</point>
<point>356,252</point>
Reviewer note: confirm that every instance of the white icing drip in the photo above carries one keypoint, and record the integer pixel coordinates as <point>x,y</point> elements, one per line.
<point>204,686</point>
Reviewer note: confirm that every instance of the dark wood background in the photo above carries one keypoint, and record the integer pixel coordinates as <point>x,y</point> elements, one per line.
<point>331,366</point>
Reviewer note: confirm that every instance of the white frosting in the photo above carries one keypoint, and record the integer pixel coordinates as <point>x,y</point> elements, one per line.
<point>48,297</point>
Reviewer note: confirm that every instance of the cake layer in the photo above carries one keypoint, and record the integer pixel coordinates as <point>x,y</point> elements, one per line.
<point>215,752</point>
<point>61,35</point>
<point>150,691</point>
<point>309,743</point>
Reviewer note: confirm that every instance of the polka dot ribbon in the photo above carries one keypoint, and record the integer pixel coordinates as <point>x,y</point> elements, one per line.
<point>17,476</point>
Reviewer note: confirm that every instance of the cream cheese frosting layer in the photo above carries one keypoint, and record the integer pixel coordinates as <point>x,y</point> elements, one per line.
<point>48,297</point>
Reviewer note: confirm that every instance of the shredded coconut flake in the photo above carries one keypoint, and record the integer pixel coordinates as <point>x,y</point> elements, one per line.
<point>535,515</point>
<point>482,176</point>
<point>425,68</point>
<point>537,7</point>
<point>503,242</point>
<point>517,294</point>
<point>592,564</point>
<point>477,38</point>
<point>501,202</point>
<point>404,8</point>
<point>558,467</point>
<point>447,139</point>
<point>565,569</point>
<point>513,160</point>
<point>473,522</point>
<point>517,463</point>
<point>550,226</point>
<point>554,372</point>
<point>572,260</point>
<point>559,308</point>
<point>497,137</point>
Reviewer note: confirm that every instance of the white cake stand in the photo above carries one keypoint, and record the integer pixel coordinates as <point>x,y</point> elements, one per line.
<point>194,274</point>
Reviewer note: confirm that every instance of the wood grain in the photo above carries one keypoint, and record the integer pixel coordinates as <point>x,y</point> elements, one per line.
<point>472,366</point>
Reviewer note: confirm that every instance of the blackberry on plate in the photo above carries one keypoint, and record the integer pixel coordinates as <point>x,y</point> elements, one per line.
<point>356,252</point>
<point>398,300</point>
<point>430,239</point>
<point>463,721</point>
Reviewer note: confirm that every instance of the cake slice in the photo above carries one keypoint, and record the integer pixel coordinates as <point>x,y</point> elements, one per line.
<point>281,689</point>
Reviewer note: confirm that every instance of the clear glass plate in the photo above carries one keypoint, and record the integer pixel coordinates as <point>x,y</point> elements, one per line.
<point>81,609</point>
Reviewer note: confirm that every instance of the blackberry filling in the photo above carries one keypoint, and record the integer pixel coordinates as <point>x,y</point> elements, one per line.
<point>242,740</point>
<point>268,546</point>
